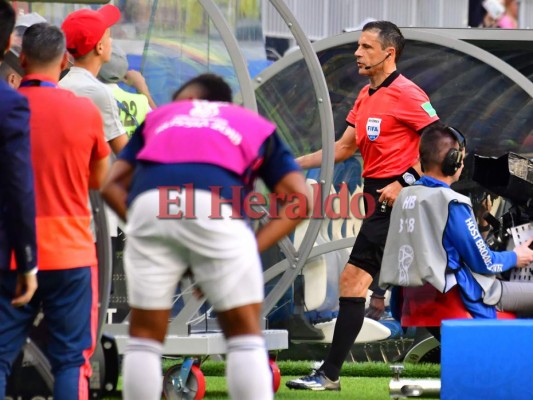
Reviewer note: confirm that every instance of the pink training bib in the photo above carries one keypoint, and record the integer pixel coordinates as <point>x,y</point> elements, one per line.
<point>198,131</point>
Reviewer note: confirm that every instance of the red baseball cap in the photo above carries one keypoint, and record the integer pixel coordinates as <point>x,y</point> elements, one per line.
<point>84,28</point>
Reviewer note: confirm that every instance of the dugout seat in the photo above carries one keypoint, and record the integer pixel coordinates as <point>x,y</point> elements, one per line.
<point>321,274</point>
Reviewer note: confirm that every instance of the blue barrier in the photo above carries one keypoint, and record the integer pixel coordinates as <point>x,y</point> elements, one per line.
<point>487,359</point>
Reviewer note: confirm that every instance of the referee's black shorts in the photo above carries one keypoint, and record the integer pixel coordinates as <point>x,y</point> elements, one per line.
<point>367,251</point>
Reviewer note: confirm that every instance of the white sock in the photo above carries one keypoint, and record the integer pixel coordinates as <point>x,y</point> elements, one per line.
<point>142,370</point>
<point>247,370</point>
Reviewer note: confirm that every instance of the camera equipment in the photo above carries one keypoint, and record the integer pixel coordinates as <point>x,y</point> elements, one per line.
<point>510,176</point>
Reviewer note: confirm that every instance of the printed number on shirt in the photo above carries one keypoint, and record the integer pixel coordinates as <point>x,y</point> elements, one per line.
<point>131,114</point>
<point>408,223</point>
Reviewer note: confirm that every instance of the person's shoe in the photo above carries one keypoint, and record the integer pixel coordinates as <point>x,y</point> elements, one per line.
<point>317,380</point>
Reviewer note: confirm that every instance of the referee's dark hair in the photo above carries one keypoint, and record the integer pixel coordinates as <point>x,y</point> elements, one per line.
<point>7,22</point>
<point>389,35</point>
<point>209,87</point>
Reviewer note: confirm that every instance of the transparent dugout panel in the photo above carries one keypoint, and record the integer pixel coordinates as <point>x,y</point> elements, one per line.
<point>494,112</point>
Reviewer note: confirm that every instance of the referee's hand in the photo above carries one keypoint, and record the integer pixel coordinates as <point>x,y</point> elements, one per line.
<point>376,308</point>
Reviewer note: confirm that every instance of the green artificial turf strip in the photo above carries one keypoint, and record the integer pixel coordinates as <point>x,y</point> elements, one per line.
<point>365,381</point>
<point>300,368</point>
<point>352,388</point>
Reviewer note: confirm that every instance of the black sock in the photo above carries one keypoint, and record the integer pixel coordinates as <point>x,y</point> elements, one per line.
<point>347,327</point>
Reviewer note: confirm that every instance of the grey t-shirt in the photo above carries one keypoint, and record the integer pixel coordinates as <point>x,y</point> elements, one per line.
<point>83,83</point>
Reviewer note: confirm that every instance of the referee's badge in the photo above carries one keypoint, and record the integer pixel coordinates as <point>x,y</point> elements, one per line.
<point>373,128</point>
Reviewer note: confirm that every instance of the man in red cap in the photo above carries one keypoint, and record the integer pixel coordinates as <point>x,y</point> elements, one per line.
<point>89,41</point>
<point>88,37</point>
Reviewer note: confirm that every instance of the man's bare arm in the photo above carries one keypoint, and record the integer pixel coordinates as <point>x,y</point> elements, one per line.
<point>345,147</point>
<point>98,171</point>
<point>276,228</point>
<point>116,187</point>
<point>118,143</point>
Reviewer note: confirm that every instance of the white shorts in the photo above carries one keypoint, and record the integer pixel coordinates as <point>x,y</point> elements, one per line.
<point>221,253</point>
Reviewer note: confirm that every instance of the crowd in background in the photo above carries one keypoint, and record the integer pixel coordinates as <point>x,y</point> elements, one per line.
<point>493,14</point>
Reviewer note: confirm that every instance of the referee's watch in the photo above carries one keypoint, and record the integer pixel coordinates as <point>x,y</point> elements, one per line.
<point>409,178</point>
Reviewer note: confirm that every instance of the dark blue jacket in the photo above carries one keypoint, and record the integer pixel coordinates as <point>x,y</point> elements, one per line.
<point>17,197</point>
